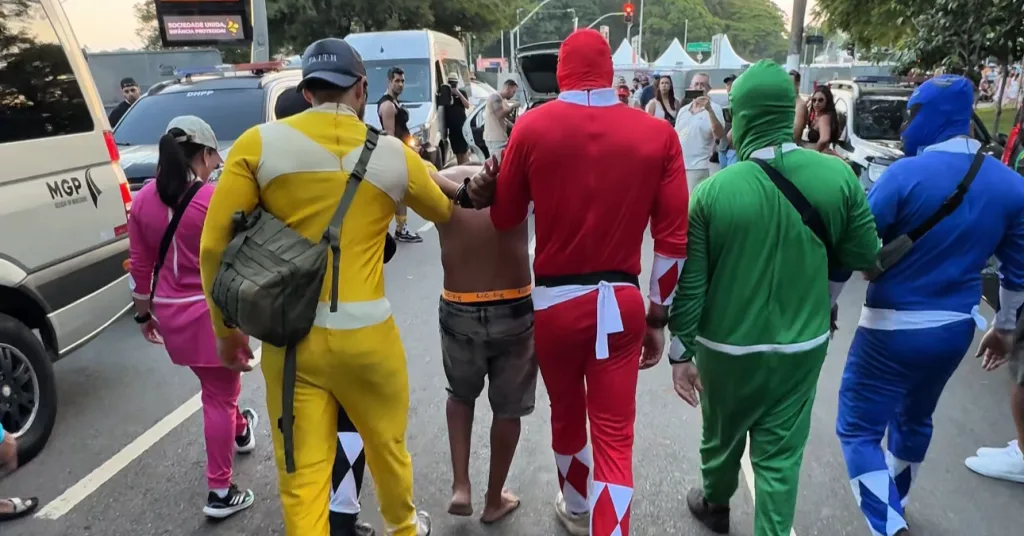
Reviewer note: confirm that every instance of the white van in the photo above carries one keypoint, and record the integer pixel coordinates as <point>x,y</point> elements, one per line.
<point>64,216</point>
<point>427,58</point>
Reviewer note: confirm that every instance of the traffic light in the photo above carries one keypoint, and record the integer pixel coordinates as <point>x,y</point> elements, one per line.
<point>628,10</point>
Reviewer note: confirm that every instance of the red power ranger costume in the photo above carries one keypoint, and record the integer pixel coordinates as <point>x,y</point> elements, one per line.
<point>597,172</point>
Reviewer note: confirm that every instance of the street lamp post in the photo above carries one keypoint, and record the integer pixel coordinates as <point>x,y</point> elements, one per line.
<point>521,22</point>
<point>605,16</point>
<point>640,31</point>
<point>260,32</point>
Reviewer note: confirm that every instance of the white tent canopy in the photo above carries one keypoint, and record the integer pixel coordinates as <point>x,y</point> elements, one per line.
<point>674,57</point>
<point>723,56</point>
<point>623,56</point>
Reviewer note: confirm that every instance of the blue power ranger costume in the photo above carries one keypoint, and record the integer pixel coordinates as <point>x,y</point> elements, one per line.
<point>920,315</point>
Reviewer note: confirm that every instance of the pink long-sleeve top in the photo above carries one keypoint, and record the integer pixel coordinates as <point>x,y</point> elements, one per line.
<point>179,277</point>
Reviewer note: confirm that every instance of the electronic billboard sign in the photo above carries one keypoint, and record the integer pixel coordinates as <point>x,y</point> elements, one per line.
<point>189,23</point>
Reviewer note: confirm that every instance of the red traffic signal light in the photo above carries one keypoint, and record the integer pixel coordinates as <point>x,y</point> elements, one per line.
<point>628,8</point>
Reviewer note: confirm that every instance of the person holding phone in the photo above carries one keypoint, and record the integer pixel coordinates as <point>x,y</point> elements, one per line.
<point>698,126</point>
<point>455,119</point>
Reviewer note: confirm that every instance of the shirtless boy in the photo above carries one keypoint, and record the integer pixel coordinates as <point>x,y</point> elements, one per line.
<point>486,324</point>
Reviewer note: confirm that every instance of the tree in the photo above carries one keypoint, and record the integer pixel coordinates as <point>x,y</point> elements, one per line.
<point>960,35</point>
<point>667,20</point>
<point>756,28</point>
<point>881,23</point>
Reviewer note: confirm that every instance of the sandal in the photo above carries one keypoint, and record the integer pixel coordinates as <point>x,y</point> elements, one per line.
<point>22,508</point>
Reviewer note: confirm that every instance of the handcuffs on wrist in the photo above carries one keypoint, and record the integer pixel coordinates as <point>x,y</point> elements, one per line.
<point>462,196</point>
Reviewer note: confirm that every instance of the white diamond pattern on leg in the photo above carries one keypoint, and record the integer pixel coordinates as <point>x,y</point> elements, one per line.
<point>574,478</point>
<point>352,444</point>
<point>621,497</point>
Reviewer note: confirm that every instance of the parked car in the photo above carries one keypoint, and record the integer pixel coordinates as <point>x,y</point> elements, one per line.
<point>64,217</point>
<point>231,98</point>
<point>479,91</point>
<point>538,64</point>
<point>871,112</point>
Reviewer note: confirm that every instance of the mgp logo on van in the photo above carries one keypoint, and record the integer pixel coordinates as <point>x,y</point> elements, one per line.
<point>68,191</point>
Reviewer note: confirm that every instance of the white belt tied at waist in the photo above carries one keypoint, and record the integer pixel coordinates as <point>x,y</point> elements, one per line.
<point>892,320</point>
<point>609,318</point>
<point>352,315</point>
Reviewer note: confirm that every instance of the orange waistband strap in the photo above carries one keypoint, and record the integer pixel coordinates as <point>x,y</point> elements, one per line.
<point>486,296</point>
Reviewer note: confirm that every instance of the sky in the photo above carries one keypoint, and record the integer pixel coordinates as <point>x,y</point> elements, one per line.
<point>110,24</point>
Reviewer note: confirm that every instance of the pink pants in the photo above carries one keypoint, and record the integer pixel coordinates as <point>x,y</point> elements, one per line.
<point>222,421</point>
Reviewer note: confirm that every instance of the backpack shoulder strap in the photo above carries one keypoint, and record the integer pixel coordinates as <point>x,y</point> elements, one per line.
<point>165,242</point>
<point>334,229</point>
<point>808,214</point>
<point>952,202</point>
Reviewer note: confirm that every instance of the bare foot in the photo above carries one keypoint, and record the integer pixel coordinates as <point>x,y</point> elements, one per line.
<point>509,503</point>
<point>461,504</point>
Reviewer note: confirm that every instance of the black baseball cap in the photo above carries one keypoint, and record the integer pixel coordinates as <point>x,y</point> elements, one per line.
<point>289,104</point>
<point>729,79</point>
<point>128,82</point>
<point>332,60</point>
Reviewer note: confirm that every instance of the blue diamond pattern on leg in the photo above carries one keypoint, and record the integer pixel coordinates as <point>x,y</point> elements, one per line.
<point>903,480</point>
<point>875,509</point>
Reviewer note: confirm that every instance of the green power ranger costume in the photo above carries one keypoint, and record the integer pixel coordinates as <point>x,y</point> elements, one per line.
<point>753,302</point>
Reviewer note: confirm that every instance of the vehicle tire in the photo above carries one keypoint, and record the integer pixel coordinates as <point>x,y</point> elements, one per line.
<point>28,388</point>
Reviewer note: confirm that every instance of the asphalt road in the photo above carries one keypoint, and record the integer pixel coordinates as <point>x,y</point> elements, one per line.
<point>121,402</point>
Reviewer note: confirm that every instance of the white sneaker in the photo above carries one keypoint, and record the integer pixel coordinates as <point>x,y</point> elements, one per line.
<point>1007,465</point>
<point>246,443</point>
<point>989,451</point>
<point>422,524</point>
<point>576,524</point>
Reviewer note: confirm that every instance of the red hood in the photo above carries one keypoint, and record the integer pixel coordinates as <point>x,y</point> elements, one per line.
<point>585,62</point>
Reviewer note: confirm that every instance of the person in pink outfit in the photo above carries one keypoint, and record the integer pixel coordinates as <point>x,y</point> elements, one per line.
<point>164,229</point>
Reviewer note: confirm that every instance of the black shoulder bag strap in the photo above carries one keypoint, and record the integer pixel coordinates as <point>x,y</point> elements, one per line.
<point>808,214</point>
<point>891,253</point>
<point>953,201</point>
<point>165,242</point>
<point>333,233</point>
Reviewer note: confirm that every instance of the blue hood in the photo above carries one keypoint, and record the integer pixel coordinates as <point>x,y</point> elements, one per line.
<point>940,109</point>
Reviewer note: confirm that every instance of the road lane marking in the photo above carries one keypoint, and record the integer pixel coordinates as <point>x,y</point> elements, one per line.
<point>748,476</point>
<point>428,226</point>
<point>92,482</point>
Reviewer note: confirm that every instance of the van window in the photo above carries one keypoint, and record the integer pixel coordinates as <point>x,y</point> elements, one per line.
<point>417,79</point>
<point>459,68</point>
<point>39,94</point>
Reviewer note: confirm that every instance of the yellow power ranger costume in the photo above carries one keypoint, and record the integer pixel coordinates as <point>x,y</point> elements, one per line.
<point>296,168</point>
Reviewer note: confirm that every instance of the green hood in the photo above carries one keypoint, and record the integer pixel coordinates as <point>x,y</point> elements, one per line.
<point>763,102</point>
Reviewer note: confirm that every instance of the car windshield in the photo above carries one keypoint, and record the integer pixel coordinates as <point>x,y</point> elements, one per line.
<point>230,112</point>
<point>880,118</point>
<point>417,79</point>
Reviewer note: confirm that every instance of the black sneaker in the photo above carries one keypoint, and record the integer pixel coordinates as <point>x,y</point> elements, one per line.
<point>714,517</point>
<point>349,525</point>
<point>405,235</point>
<point>246,443</point>
<point>235,501</point>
